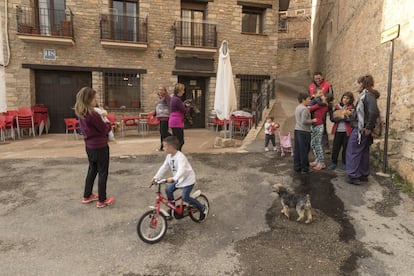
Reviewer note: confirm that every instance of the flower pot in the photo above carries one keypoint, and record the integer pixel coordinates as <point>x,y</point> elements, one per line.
<point>66,28</point>
<point>26,29</point>
<point>135,104</point>
<point>35,30</point>
<point>112,103</point>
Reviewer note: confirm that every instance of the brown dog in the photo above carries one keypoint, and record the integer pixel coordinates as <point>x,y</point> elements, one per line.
<point>289,200</point>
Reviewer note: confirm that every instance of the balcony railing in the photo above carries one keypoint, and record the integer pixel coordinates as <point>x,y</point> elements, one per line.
<point>194,34</point>
<point>124,28</point>
<point>44,22</point>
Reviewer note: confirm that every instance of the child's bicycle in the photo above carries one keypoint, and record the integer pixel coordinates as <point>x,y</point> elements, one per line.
<point>152,225</point>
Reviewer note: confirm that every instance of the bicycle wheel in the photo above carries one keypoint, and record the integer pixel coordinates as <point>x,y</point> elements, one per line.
<point>151,228</point>
<point>195,216</point>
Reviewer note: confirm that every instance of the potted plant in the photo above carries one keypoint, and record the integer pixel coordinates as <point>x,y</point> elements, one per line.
<point>112,103</point>
<point>55,31</point>
<point>66,28</point>
<point>135,103</point>
<point>26,29</point>
<point>35,30</point>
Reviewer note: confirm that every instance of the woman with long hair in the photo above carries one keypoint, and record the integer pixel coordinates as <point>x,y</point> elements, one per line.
<point>362,122</point>
<point>95,133</point>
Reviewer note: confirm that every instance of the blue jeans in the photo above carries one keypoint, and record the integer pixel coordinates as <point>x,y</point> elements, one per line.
<point>185,194</point>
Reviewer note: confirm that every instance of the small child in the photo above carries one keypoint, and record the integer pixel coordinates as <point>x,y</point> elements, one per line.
<point>101,111</point>
<point>183,174</point>
<point>270,127</point>
<point>341,128</point>
<point>317,130</point>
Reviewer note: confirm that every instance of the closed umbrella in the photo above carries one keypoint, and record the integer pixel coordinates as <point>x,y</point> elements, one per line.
<point>225,101</point>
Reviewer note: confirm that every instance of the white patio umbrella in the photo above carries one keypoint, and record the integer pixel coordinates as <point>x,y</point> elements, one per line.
<point>225,101</point>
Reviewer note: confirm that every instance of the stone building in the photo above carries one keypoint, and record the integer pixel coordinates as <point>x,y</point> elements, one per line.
<point>293,40</point>
<point>346,43</point>
<point>125,50</point>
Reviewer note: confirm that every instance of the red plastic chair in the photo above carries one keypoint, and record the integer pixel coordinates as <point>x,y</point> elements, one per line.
<point>25,120</point>
<point>112,119</point>
<point>41,116</point>
<point>2,128</point>
<point>72,124</point>
<point>152,120</point>
<point>10,117</point>
<point>128,121</point>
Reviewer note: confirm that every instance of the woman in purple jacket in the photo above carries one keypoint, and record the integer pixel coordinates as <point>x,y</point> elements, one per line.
<point>177,111</point>
<point>95,133</point>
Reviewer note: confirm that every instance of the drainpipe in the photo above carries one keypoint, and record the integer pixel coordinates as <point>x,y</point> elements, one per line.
<point>3,64</point>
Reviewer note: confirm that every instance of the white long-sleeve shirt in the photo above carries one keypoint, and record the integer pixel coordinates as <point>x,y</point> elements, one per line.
<point>183,173</point>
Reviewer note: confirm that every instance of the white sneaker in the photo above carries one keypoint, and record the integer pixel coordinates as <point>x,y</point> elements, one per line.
<point>266,149</point>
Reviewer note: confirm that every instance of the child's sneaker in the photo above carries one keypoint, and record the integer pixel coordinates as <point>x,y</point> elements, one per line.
<point>266,149</point>
<point>342,167</point>
<point>314,163</point>
<point>91,198</point>
<point>107,202</point>
<point>319,167</point>
<point>274,148</point>
<point>332,167</point>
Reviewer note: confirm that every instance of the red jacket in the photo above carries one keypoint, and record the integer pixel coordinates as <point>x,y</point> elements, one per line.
<point>326,87</point>
<point>319,112</point>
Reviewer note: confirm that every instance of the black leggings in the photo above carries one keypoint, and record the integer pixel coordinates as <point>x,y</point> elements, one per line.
<point>98,163</point>
<point>340,141</point>
<point>163,131</point>
<point>179,133</point>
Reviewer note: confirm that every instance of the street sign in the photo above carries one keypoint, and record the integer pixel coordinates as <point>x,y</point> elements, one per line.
<point>390,34</point>
<point>49,54</point>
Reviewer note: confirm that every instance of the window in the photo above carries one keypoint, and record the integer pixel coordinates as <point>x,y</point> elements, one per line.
<point>125,21</point>
<point>250,88</point>
<point>122,89</point>
<point>50,14</point>
<point>192,27</point>
<point>252,20</point>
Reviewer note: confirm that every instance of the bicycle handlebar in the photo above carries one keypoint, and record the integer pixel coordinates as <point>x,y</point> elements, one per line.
<point>158,181</point>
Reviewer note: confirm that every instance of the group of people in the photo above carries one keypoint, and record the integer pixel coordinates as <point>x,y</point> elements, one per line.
<point>352,128</point>
<point>97,131</point>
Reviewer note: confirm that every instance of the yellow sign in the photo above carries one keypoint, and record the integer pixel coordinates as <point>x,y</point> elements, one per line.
<point>390,34</point>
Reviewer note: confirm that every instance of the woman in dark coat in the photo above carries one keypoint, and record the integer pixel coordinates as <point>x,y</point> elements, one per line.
<point>362,123</point>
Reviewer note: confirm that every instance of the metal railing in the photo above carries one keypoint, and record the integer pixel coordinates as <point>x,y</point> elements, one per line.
<point>188,33</point>
<point>44,22</point>
<point>124,28</point>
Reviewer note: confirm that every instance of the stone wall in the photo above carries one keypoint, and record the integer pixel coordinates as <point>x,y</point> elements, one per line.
<point>250,53</point>
<point>291,58</point>
<point>346,44</point>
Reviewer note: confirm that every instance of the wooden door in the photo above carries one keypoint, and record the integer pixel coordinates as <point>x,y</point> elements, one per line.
<point>57,91</point>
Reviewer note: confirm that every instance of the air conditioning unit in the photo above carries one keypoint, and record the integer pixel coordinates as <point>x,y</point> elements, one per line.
<point>283,14</point>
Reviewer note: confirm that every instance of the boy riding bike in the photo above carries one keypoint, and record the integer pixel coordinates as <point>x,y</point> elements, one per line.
<point>183,174</point>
